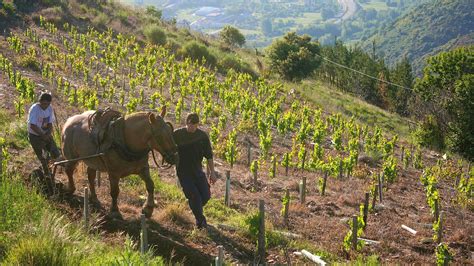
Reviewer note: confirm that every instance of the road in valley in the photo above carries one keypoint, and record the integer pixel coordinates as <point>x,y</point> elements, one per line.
<point>349,7</point>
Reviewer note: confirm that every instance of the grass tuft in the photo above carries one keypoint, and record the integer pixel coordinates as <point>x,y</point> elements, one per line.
<point>177,214</point>
<point>169,192</point>
<point>39,251</point>
<point>31,233</point>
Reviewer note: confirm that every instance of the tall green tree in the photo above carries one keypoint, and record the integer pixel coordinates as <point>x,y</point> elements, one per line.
<point>402,75</point>
<point>232,36</point>
<point>447,88</point>
<point>153,12</point>
<point>294,57</point>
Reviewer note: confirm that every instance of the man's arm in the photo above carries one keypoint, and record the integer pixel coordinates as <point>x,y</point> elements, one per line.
<point>47,132</point>
<point>212,174</point>
<point>37,130</point>
<point>49,129</point>
<point>210,162</point>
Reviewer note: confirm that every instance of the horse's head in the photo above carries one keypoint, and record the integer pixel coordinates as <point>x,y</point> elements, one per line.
<point>162,138</point>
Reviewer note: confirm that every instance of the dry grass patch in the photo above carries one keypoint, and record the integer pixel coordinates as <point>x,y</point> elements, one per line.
<point>175,213</point>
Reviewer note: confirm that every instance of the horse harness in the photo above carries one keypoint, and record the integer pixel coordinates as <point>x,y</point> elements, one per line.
<point>107,131</point>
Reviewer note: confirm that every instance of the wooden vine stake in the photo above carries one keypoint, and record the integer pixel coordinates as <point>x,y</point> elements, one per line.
<point>458,179</point>
<point>86,208</point>
<point>304,160</point>
<point>403,154</point>
<point>274,166</point>
<point>324,182</point>
<point>255,176</point>
<point>340,169</point>
<point>227,189</point>
<point>440,227</point>
<point>220,256</point>
<point>302,187</point>
<point>374,200</point>
<point>366,207</point>
<point>261,232</point>
<point>380,188</point>
<point>249,154</point>
<point>143,235</point>
<point>354,231</point>
<point>436,210</point>
<point>286,206</point>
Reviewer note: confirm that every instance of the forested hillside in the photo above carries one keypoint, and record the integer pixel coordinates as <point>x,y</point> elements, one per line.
<point>262,21</point>
<point>428,29</point>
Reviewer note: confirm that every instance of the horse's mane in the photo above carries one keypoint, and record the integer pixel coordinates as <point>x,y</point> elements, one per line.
<point>141,115</point>
<point>137,114</point>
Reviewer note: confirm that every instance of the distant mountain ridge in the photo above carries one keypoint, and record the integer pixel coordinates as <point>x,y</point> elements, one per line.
<point>425,31</point>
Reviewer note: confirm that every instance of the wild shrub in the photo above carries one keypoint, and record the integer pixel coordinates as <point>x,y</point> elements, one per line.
<point>428,133</point>
<point>100,20</point>
<point>173,46</point>
<point>9,8</point>
<point>3,13</point>
<point>122,16</point>
<point>153,12</point>
<point>155,34</point>
<point>198,52</point>
<point>232,62</point>
<point>232,36</point>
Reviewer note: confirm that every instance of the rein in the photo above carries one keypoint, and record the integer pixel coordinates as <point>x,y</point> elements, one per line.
<point>163,165</point>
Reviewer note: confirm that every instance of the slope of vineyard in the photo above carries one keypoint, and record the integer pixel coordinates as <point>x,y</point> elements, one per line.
<point>86,68</point>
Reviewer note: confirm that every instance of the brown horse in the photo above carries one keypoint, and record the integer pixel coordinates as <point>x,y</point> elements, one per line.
<point>142,132</point>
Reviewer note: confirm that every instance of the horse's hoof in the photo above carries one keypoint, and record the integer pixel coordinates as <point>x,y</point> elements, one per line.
<point>115,215</point>
<point>148,211</point>
<point>95,202</point>
<point>69,190</point>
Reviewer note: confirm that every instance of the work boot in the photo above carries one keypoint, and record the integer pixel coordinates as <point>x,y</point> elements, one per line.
<point>202,224</point>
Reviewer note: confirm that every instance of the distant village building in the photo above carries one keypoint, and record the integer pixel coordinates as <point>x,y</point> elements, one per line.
<point>209,11</point>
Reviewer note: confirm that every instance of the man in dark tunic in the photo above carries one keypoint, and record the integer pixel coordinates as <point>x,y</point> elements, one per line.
<point>193,146</point>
